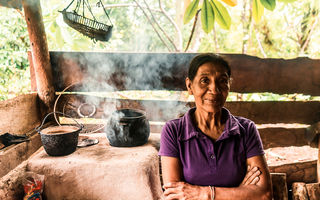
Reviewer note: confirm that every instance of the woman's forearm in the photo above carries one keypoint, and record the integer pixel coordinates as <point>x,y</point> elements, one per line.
<point>245,192</point>
<point>175,190</point>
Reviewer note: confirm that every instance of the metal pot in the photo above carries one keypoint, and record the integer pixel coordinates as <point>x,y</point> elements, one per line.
<point>59,140</point>
<point>128,128</point>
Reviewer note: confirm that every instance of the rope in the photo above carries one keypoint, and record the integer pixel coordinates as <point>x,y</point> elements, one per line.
<point>105,12</point>
<point>89,8</point>
<point>69,5</point>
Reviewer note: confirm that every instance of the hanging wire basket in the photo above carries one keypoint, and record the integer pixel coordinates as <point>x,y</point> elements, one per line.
<point>88,27</point>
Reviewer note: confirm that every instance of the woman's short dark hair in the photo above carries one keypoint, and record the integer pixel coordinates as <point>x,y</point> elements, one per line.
<point>203,58</point>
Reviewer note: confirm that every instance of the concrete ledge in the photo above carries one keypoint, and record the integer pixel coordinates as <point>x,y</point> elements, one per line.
<point>101,172</point>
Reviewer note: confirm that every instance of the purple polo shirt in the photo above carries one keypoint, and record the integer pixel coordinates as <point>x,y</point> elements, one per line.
<point>221,163</point>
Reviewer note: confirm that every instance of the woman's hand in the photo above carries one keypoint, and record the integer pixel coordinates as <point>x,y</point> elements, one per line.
<point>183,190</point>
<point>252,176</point>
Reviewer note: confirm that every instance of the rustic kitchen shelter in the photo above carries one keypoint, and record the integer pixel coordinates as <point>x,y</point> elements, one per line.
<point>286,127</point>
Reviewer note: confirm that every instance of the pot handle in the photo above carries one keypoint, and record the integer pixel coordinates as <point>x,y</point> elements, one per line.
<point>39,127</point>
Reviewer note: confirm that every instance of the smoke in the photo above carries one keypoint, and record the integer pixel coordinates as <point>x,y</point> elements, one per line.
<point>107,73</point>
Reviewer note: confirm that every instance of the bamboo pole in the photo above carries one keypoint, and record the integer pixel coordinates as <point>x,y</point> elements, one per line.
<point>40,54</point>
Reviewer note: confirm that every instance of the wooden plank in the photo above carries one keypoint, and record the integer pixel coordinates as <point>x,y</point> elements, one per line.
<point>303,171</point>
<point>12,156</point>
<point>277,112</point>
<point>299,191</point>
<point>313,191</point>
<point>21,114</point>
<point>313,134</point>
<point>142,71</point>
<point>271,137</point>
<point>279,186</point>
<point>282,137</point>
<point>259,112</point>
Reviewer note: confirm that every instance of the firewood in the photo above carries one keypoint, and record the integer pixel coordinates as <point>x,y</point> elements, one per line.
<point>279,185</point>
<point>299,191</point>
<point>313,191</point>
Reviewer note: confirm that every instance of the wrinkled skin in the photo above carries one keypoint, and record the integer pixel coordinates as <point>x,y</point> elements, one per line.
<point>182,190</point>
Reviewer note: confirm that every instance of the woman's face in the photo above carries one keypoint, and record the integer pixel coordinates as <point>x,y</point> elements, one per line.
<point>210,87</point>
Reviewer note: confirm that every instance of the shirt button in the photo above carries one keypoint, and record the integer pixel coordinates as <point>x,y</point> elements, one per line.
<point>212,156</point>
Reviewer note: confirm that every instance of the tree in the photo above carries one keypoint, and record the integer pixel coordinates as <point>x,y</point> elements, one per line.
<point>14,43</point>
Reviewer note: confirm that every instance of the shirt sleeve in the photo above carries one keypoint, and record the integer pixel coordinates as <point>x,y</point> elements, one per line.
<point>254,145</point>
<point>169,141</point>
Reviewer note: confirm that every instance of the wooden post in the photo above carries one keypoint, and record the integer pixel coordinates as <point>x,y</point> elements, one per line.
<point>299,191</point>
<point>313,191</point>
<point>318,163</point>
<point>40,54</point>
<point>279,186</point>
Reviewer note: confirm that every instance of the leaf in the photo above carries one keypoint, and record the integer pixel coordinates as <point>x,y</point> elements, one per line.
<point>231,2</point>
<point>287,1</point>
<point>190,11</point>
<point>257,10</point>
<point>269,4</point>
<point>221,14</point>
<point>207,16</point>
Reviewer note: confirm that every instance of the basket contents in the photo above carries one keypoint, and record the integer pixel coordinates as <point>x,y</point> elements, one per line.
<point>33,186</point>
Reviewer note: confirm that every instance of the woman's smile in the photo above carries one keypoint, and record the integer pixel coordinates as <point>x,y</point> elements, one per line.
<point>211,100</point>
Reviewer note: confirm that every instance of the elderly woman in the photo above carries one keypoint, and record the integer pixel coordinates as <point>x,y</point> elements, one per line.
<point>209,153</point>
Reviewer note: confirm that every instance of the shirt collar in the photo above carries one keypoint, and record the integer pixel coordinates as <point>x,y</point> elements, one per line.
<point>231,127</point>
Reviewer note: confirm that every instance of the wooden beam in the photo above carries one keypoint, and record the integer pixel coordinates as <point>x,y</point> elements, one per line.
<point>279,186</point>
<point>313,191</point>
<point>141,71</point>
<point>313,138</point>
<point>12,156</point>
<point>160,110</point>
<point>282,137</point>
<point>40,53</point>
<point>299,191</point>
<point>299,171</point>
<point>21,114</point>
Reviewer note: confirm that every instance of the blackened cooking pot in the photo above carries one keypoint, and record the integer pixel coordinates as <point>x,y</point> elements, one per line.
<point>59,140</point>
<point>128,128</point>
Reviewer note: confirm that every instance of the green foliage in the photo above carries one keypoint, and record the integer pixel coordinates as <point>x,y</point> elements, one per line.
<point>207,16</point>
<point>269,4</point>
<point>257,10</point>
<point>14,43</point>
<point>287,1</point>
<point>190,11</point>
<point>221,14</point>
